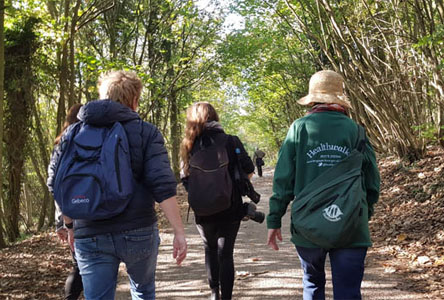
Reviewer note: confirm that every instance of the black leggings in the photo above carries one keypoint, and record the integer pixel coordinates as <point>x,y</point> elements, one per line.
<point>219,239</point>
<point>73,284</point>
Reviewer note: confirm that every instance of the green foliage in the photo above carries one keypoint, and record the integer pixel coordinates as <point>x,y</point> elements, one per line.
<point>24,236</point>
<point>253,75</point>
<point>429,132</point>
<point>434,39</point>
<point>268,70</point>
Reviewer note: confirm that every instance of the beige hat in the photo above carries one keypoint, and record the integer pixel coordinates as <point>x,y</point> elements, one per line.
<point>326,87</point>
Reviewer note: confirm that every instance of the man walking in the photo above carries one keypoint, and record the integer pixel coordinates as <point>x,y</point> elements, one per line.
<point>258,160</point>
<point>132,236</point>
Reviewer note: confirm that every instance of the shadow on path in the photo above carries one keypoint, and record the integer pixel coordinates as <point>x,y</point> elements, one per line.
<point>261,273</point>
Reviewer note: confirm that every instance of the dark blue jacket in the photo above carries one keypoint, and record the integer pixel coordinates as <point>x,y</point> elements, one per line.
<point>149,159</point>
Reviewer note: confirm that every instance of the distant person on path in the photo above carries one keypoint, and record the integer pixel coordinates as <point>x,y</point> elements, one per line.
<point>73,284</point>
<point>258,159</point>
<point>218,230</point>
<point>132,236</point>
<point>312,141</point>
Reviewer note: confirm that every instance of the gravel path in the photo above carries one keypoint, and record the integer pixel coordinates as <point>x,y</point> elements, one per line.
<point>261,273</point>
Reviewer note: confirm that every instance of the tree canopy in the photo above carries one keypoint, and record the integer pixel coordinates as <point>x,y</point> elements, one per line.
<point>390,54</point>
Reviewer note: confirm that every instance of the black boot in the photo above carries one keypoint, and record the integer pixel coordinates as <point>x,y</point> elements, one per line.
<point>215,294</point>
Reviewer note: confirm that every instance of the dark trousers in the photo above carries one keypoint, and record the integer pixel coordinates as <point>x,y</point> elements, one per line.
<point>219,239</point>
<point>259,171</point>
<point>73,284</point>
<point>347,271</point>
<point>259,164</point>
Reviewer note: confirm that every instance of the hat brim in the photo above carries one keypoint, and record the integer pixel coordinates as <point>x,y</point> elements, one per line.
<point>325,98</point>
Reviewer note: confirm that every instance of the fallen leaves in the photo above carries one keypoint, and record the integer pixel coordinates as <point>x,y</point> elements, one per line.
<point>423,260</point>
<point>407,226</point>
<point>439,261</point>
<point>240,275</point>
<point>401,237</point>
<point>390,270</point>
<point>34,269</point>
<point>407,230</point>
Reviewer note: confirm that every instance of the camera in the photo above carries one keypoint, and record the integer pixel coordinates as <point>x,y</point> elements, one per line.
<point>246,189</point>
<point>252,213</point>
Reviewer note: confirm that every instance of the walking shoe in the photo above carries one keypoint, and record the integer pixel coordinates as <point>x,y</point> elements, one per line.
<point>215,294</point>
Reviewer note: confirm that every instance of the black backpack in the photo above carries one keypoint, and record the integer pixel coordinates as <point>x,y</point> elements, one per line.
<point>209,183</point>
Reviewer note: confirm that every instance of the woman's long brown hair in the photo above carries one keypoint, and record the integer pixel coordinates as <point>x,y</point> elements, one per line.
<point>71,118</point>
<point>197,115</point>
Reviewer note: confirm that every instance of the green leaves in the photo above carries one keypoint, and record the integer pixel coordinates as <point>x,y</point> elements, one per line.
<point>434,39</point>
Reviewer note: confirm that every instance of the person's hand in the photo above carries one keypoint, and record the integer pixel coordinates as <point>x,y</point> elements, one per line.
<point>171,210</point>
<point>272,235</point>
<point>179,248</point>
<point>71,239</point>
<point>62,233</point>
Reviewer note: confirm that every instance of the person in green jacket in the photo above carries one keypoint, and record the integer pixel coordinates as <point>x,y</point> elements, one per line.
<point>315,142</point>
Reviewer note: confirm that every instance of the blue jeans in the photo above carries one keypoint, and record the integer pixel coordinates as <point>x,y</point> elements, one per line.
<point>347,270</point>
<point>99,258</point>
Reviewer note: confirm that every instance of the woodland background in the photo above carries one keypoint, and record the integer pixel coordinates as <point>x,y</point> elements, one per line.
<point>253,69</point>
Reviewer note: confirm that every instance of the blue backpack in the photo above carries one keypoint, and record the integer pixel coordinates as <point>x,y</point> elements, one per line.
<point>94,179</point>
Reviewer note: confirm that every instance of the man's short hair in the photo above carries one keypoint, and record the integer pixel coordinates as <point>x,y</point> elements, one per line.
<point>120,86</point>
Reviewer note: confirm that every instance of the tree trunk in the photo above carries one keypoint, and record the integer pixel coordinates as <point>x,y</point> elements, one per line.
<point>175,134</point>
<point>441,124</point>
<point>2,96</point>
<point>46,198</point>
<point>277,141</point>
<point>64,73</point>
<point>18,88</point>
<point>44,160</point>
<point>27,195</point>
<point>72,78</point>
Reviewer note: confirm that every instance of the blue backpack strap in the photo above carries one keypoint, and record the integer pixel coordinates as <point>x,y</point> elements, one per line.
<point>136,140</point>
<point>61,150</point>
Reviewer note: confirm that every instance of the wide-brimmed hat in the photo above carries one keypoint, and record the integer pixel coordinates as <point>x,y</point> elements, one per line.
<point>326,87</point>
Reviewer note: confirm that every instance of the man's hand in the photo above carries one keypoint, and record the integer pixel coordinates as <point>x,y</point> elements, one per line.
<point>179,248</point>
<point>272,235</point>
<point>171,210</point>
<point>62,233</point>
<point>71,239</point>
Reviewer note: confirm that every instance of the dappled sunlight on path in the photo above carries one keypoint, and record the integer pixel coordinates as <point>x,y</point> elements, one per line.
<point>261,273</point>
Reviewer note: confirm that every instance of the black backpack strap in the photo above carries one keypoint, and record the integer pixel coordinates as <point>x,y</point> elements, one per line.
<point>231,142</point>
<point>362,139</point>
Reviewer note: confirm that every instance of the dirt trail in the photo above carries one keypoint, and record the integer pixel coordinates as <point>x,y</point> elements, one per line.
<point>261,273</point>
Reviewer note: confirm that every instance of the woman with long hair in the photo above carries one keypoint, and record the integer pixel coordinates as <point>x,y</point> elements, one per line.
<point>71,118</point>
<point>219,230</point>
<point>73,284</point>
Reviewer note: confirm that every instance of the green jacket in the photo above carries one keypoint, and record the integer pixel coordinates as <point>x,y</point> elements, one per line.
<point>313,144</point>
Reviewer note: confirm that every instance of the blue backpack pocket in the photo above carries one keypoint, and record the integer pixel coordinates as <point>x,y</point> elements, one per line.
<point>95,180</point>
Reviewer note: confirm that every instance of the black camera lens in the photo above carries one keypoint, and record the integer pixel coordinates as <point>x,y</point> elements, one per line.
<point>253,214</point>
<point>258,217</point>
